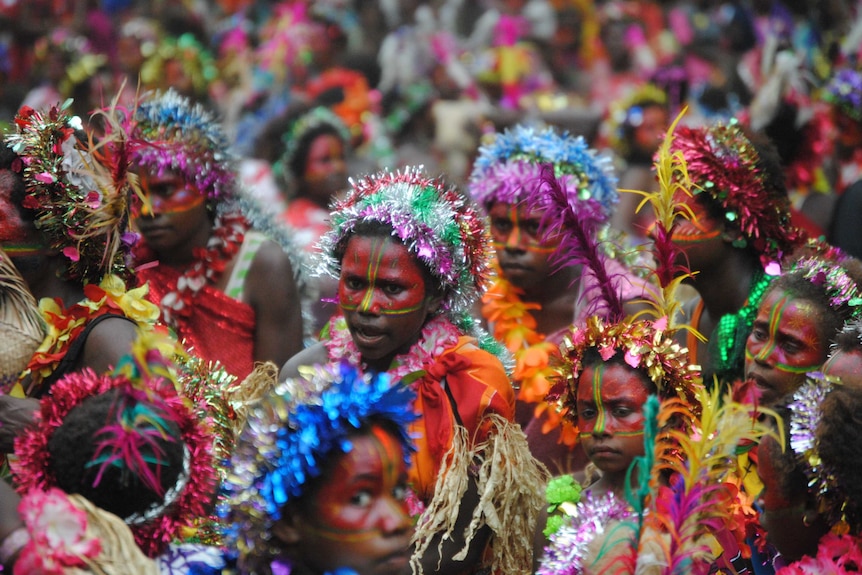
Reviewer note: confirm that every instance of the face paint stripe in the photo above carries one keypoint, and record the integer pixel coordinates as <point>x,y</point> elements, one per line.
<point>597,397</point>
<point>775,316</point>
<point>371,276</point>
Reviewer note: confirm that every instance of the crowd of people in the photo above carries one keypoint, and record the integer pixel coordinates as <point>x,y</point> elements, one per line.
<point>377,288</point>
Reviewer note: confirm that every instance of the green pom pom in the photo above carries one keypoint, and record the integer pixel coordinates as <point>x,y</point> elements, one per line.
<point>562,490</point>
<point>553,525</point>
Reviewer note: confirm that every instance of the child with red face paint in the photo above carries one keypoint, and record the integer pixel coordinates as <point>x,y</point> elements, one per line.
<point>318,482</point>
<point>226,278</point>
<point>410,256</point>
<point>314,167</point>
<point>538,293</point>
<point>798,318</point>
<point>740,230</point>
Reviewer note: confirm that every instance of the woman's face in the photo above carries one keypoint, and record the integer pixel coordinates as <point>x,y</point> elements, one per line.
<point>610,402</point>
<point>358,518</point>
<point>516,237</point>
<point>785,343</point>
<point>383,294</point>
<point>325,169</point>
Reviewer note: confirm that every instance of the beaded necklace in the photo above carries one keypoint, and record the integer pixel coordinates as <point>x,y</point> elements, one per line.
<point>210,262</point>
<point>515,327</point>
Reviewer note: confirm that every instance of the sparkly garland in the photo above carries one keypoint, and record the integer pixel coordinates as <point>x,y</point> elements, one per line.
<point>209,264</point>
<point>723,163</point>
<point>64,325</point>
<point>839,288</point>
<point>31,468</point>
<point>289,438</point>
<point>510,167</point>
<point>844,91</point>
<point>168,132</point>
<point>79,190</point>
<point>438,225</point>
<point>514,327</point>
<point>645,348</point>
<point>438,335</point>
<point>569,545</point>
<point>805,414</point>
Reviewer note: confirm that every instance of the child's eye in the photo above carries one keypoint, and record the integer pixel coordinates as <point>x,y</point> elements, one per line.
<point>586,413</point>
<point>791,347</point>
<point>532,228</point>
<point>400,492</point>
<point>502,226</point>
<point>758,334</point>
<point>361,498</point>
<point>623,411</point>
<point>353,283</point>
<point>392,289</point>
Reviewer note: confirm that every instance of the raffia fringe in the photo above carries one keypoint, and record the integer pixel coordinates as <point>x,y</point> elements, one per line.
<point>511,494</point>
<point>120,554</point>
<point>257,385</point>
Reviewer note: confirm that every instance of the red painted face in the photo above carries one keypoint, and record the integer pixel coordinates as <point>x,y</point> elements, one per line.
<point>384,297</point>
<point>785,343</point>
<point>325,169</point>
<point>168,194</point>
<point>176,218</point>
<point>516,237</point>
<point>649,133</point>
<point>358,518</point>
<point>610,402</point>
<point>699,239</point>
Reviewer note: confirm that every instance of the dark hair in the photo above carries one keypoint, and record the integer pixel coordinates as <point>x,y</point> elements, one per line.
<point>120,490</point>
<point>296,165</point>
<point>839,440</point>
<point>849,338</point>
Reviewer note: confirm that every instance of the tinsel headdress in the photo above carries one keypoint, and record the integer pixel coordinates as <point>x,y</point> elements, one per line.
<point>312,120</point>
<point>806,412</point>
<point>724,164</point>
<point>169,132</point>
<point>841,290</point>
<point>147,406</point>
<point>79,189</point>
<point>288,439</point>
<point>511,166</point>
<point>645,346</point>
<point>844,91</point>
<point>438,225</point>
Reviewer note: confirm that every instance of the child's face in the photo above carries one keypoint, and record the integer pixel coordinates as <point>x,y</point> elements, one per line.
<point>648,134</point>
<point>610,404</point>
<point>383,294</point>
<point>325,169</point>
<point>176,213</point>
<point>523,256</point>
<point>785,343</point>
<point>358,518</point>
<point>699,239</point>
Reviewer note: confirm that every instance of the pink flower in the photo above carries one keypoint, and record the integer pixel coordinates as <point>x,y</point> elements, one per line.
<point>58,534</point>
<point>71,252</point>
<point>45,178</point>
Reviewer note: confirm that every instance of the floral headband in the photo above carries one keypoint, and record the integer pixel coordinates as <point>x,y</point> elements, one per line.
<point>511,166</point>
<point>79,190</point>
<point>805,415</point>
<point>644,346</point>
<point>723,164</point>
<point>168,132</point>
<point>120,444</point>
<point>291,435</point>
<point>437,224</point>
<point>845,92</point>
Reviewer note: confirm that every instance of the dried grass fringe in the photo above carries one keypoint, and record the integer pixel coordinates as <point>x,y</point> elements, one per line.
<point>511,485</point>
<point>257,385</point>
<point>120,554</point>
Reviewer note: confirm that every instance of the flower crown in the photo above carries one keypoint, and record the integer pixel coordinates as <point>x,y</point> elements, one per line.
<point>171,133</point>
<point>805,415</point>
<point>311,120</point>
<point>124,442</point>
<point>79,190</point>
<point>845,92</point>
<point>840,289</point>
<point>511,166</point>
<point>628,111</point>
<point>723,163</point>
<point>645,347</point>
<point>437,224</point>
<point>289,438</point>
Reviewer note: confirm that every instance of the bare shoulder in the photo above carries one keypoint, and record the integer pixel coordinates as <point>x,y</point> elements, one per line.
<point>271,272</point>
<point>312,355</point>
<point>107,342</point>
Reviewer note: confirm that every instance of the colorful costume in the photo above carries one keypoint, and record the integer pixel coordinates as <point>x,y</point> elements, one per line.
<point>465,399</point>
